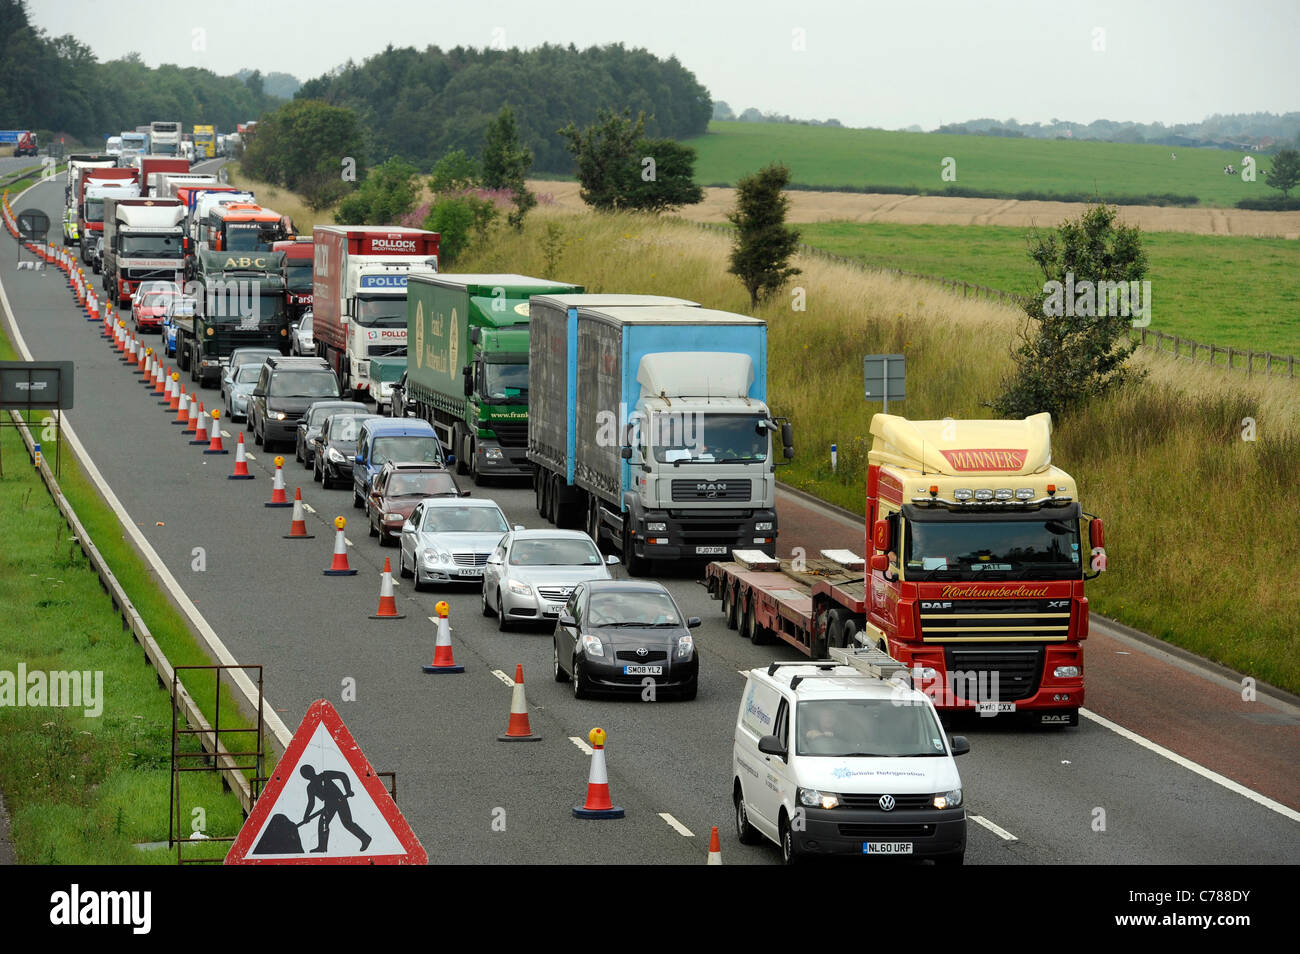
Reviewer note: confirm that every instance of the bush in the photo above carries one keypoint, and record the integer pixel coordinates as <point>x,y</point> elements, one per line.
<point>387,194</point>
<point>460,219</point>
<point>1273,203</point>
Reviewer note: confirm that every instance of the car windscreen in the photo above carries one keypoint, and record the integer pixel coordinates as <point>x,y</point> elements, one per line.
<point>344,428</point>
<point>464,520</point>
<point>424,449</point>
<point>554,552</point>
<point>304,384</point>
<point>1039,549</point>
<point>867,727</point>
<point>632,608</point>
<point>247,373</point>
<point>427,485</point>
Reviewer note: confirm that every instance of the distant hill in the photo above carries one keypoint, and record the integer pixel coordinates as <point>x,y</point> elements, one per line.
<point>279,85</point>
<point>1246,131</point>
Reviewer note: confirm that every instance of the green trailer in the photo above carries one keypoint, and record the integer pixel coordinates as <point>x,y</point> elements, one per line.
<point>467,365</point>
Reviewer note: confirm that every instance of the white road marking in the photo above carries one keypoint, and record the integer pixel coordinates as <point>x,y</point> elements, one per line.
<point>676,825</point>
<point>997,830</point>
<point>582,745</point>
<point>504,678</point>
<point>225,434</point>
<point>1191,766</point>
<point>308,507</point>
<point>347,541</point>
<point>248,456</point>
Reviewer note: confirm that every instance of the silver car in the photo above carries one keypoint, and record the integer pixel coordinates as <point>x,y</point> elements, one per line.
<point>449,539</point>
<point>531,574</point>
<point>237,386</point>
<point>302,340</point>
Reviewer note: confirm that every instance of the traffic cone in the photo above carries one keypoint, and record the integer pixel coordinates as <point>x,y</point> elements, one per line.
<point>119,336</point>
<point>167,390</point>
<point>715,848</point>
<point>339,565</point>
<point>92,308</point>
<point>144,356</point>
<point>159,380</point>
<point>182,409</point>
<point>298,523</point>
<point>174,388</point>
<point>192,420</point>
<point>201,432</point>
<point>443,659</point>
<point>518,729</point>
<point>129,355</point>
<point>214,445</point>
<point>387,602</point>
<point>241,462</point>
<point>598,804</point>
<point>278,499</point>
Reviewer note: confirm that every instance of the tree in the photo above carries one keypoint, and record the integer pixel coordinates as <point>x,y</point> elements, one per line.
<point>761,255</point>
<point>506,163</point>
<point>454,172</point>
<point>605,153</point>
<point>1074,341</point>
<point>307,146</point>
<point>459,220</point>
<point>1284,173</point>
<point>387,193</point>
<point>662,177</point>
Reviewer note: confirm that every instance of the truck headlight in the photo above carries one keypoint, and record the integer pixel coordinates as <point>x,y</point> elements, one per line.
<point>763,525</point>
<point>948,799</point>
<point>493,453</point>
<point>523,589</point>
<point>685,646</point>
<point>811,798</point>
<point>657,526</point>
<point>1066,672</point>
<point>591,645</point>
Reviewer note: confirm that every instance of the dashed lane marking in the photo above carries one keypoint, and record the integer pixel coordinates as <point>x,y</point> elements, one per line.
<point>677,826</point>
<point>581,744</point>
<point>996,829</point>
<point>504,678</point>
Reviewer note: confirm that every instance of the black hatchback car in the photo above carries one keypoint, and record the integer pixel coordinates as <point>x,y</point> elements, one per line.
<point>622,635</point>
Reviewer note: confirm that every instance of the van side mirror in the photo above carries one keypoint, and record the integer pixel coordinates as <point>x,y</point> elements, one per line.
<point>959,744</point>
<point>771,745</point>
<point>625,452</point>
<point>259,392</point>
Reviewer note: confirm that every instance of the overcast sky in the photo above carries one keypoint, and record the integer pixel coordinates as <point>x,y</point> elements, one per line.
<point>864,63</point>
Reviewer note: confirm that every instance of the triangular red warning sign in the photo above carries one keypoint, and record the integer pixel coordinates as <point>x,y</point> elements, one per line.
<point>324,804</point>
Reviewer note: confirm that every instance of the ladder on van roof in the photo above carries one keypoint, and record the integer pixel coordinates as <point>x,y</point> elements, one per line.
<point>867,660</point>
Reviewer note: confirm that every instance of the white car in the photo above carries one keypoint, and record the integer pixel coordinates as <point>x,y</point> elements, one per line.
<point>531,574</point>
<point>302,340</point>
<point>449,539</point>
<point>829,761</point>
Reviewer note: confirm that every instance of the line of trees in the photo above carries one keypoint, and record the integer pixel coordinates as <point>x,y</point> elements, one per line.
<point>55,84</point>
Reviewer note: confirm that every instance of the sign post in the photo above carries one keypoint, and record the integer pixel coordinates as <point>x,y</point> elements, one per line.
<point>885,377</point>
<point>37,386</point>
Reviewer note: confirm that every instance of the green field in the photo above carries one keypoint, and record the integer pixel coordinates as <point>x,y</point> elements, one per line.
<point>829,157</point>
<point>1233,292</point>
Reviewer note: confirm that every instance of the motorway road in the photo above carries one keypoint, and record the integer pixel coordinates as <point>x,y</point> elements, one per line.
<point>1087,795</point>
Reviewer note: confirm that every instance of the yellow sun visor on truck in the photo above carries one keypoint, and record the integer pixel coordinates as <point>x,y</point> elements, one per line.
<point>954,448</point>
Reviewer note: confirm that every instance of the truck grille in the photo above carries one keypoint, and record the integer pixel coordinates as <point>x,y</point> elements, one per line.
<point>470,559</point>
<point>510,433</point>
<point>1018,669</point>
<point>887,832</point>
<point>1046,620</point>
<point>688,489</point>
<point>901,802</point>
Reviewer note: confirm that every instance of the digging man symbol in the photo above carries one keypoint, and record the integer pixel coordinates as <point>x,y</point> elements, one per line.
<point>334,802</point>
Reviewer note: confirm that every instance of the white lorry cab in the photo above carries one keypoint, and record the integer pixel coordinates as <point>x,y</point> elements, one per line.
<point>844,757</point>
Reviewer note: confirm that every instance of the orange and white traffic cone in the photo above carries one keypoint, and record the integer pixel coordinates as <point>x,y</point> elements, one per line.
<point>147,379</point>
<point>339,565</point>
<point>130,356</point>
<point>192,419</point>
<point>241,462</point>
<point>715,848</point>
<point>387,602</point>
<point>298,522</point>
<point>183,409</point>
<point>214,445</point>
<point>598,804</point>
<point>444,660</point>
<point>167,391</point>
<point>159,381</point>
<point>144,357</point>
<point>518,729</point>
<point>174,391</point>
<point>278,499</point>
<point>201,432</point>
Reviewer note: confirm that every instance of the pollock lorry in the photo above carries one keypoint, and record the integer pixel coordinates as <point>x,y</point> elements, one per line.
<point>649,427</point>
<point>143,241</point>
<point>973,576</point>
<point>467,365</point>
<point>240,305</point>
<point>359,278</point>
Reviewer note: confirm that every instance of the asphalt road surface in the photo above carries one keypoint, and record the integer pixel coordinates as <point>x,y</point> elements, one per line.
<point>1085,795</point>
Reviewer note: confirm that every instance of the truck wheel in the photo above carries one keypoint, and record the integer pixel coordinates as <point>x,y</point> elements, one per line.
<point>835,629</point>
<point>540,479</point>
<point>851,630</point>
<point>593,519</point>
<point>564,511</point>
<point>460,446</point>
<point>636,566</point>
<point>750,629</point>
<point>729,606</point>
<point>544,491</point>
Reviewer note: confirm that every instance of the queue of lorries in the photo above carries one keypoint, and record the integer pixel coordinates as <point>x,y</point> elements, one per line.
<point>643,425</point>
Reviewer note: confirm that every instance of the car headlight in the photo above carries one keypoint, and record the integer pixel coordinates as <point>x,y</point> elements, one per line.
<point>811,798</point>
<point>434,556</point>
<point>393,516</point>
<point>685,646</point>
<point>763,525</point>
<point>275,415</point>
<point>493,453</point>
<point>948,799</point>
<point>657,527</point>
<point>591,645</point>
<point>334,456</point>
<point>523,589</point>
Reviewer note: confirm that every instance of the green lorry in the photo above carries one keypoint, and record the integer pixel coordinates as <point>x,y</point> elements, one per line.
<point>467,365</point>
<point>241,305</point>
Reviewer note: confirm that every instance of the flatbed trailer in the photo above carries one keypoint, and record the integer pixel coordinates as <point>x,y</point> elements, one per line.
<point>766,598</point>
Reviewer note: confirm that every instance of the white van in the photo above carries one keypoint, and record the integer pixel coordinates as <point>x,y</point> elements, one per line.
<point>830,761</point>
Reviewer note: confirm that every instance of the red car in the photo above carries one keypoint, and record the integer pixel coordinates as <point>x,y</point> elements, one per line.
<point>397,489</point>
<point>150,306</point>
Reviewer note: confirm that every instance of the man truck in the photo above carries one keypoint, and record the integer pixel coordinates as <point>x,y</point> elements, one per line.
<point>359,294</point>
<point>974,577</point>
<point>649,427</point>
<point>143,241</point>
<point>467,365</point>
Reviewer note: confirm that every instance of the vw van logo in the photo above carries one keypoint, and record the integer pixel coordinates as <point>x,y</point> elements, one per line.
<point>642,651</point>
<point>886,803</point>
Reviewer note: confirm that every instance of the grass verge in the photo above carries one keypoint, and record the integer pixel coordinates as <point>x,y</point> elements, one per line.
<point>281,200</point>
<point>1197,516</point>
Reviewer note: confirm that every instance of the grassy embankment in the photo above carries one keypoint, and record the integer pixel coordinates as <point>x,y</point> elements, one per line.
<point>1200,522</point>
<point>857,159</point>
<point>1237,292</point>
<point>84,790</point>
<point>281,200</point>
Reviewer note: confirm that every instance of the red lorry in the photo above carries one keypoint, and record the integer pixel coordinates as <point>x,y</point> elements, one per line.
<point>298,256</point>
<point>90,213</point>
<point>150,166</point>
<point>359,294</point>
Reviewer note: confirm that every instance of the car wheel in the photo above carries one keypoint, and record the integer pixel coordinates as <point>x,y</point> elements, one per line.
<point>745,832</point>
<point>419,584</point>
<point>257,438</point>
<point>579,686</point>
<point>487,607</point>
<point>357,502</point>
<point>402,571</point>
<point>503,624</point>
<point>556,669</point>
<point>316,474</point>
<point>297,451</point>
<point>370,524</point>
<point>789,855</point>
<point>387,539</point>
